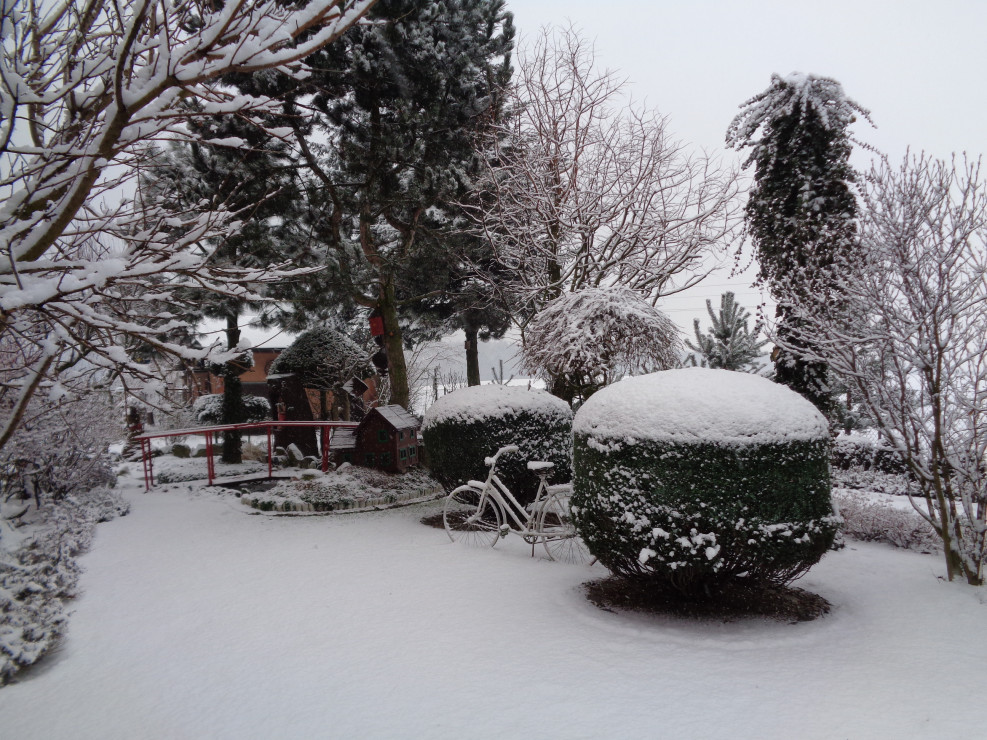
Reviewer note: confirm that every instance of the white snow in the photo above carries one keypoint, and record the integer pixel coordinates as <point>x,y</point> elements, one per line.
<point>493,401</point>
<point>692,404</point>
<point>198,620</point>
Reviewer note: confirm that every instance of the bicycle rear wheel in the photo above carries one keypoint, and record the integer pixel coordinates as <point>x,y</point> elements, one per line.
<point>466,521</point>
<point>560,539</point>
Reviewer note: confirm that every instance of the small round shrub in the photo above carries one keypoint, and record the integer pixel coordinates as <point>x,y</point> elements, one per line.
<point>470,424</point>
<point>209,409</point>
<point>695,477</point>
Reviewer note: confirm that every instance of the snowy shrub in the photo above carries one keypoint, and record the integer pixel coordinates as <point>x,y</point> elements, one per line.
<point>851,452</point>
<point>208,410</point>
<point>858,479</point>
<point>464,427</point>
<point>876,521</point>
<point>694,477</point>
<point>585,340</point>
<point>39,572</point>
<point>63,448</point>
<point>323,358</point>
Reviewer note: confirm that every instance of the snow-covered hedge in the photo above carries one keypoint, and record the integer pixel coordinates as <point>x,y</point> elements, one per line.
<point>39,572</point>
<point>870,520</point>
<point>696,476</point>
<point>866,454</point>
<point>470,424</point>
<point>209,409</point>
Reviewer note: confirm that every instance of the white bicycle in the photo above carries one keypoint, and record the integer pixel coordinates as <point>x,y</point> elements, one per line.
<point>481,513</point>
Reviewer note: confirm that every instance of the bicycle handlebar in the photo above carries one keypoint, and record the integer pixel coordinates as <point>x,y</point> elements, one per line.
<point>489,461</point>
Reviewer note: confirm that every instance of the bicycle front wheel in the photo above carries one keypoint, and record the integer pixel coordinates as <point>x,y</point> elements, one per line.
<point>559,532</point>
<point>467,521</point>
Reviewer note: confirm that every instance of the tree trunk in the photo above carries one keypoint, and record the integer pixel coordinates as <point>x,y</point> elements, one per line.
<point>472,356</point>
<point>397,370</point>
<point>232,397</point>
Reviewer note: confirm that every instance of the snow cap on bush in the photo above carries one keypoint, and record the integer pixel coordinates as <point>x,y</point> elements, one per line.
<point>493,401</point>
<point>470,424</point>
<point>696,404</point>
<point>208,409</point>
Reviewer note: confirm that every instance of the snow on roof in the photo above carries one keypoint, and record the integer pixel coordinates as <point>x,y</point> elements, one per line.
<point>699,404</point>
<point>493,400</point>
<point>397,417</point>
<point>343,439</point>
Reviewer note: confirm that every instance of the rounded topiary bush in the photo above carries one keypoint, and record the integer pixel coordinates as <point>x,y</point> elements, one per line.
<point>470,424</point>
<point>695,477</point>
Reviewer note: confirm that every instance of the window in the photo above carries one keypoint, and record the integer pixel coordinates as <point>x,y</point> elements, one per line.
<point>404,453</point>
<point>382,435</point>
<point>369,458</point>
<point>401,435</point>
<point>385,459</point>
<point>412,451</point>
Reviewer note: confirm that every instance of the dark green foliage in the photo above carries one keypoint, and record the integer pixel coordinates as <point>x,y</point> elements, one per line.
<point>457,448</point>
<point>697,515</point>
<point>851,453</point>
<point>801,212</point>
<point>402,99</point>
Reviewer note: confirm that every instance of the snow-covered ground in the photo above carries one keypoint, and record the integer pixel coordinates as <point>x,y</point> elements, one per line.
<point>202,619</point>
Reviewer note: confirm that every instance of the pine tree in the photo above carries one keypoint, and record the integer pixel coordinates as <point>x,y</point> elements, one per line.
<point>728,344</point>
<point>250,174</point>
<point>402,100</point>
<point>801,211</point>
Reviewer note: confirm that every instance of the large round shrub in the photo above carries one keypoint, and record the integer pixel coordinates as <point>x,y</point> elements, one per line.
<point>470,424</point>
<point>694,477</point>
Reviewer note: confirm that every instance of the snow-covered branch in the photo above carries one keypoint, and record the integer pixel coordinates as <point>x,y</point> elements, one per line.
<point>89,259</point>
<point>586,191</point>
<point>914,349</point>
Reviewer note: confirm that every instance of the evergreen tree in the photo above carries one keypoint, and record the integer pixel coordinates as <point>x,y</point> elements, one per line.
<point>801,211</point>
<point>250,173</point>
<point>728,344</point>
<point>401,101</point>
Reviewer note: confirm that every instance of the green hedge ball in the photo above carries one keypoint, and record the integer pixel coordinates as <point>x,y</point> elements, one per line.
<point>694,477</point>
<point>466,426</point>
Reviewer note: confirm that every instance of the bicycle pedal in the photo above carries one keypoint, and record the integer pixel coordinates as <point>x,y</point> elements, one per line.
<point>504,530</point>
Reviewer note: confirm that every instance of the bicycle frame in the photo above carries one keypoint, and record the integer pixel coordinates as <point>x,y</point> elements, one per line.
<point>494,488</point>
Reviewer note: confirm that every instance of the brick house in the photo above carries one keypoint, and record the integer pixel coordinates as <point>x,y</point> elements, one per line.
<point>387,439</point>
<point>200,382</point>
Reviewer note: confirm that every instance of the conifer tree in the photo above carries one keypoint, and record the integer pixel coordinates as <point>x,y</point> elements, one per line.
<point>401,100</point>
<point>728,344</point>
<point>251,173</point>
<point>801,211</point>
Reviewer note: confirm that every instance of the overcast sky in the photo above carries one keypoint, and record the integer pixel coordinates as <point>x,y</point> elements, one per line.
<point>916,66</point>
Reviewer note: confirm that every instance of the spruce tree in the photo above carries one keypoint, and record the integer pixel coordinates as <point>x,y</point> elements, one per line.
<point>801,211</point>
<point>728,344</point>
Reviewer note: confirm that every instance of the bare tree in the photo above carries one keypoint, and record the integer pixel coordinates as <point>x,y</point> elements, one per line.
<point>586,190</point>
<point>915,353</point>
<point>90,263</point>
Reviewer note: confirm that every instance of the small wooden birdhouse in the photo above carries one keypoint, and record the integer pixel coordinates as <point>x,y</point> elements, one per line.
<point>387,439</point>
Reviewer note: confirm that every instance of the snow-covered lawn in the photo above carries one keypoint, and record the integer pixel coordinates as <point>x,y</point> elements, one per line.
<point>202,619</point>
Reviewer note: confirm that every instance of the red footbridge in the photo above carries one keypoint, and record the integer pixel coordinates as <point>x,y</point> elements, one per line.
<point>209,433</point>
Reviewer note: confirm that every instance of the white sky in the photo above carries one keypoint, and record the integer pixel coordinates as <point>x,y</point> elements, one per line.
<point>918,67</point>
